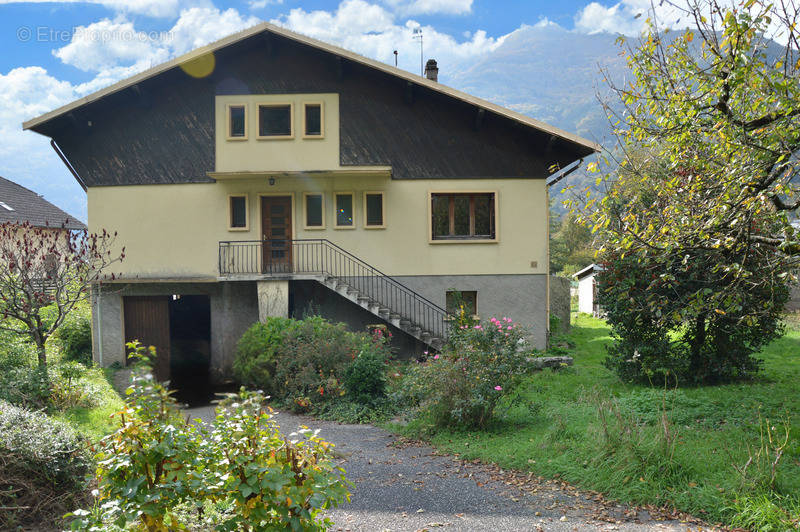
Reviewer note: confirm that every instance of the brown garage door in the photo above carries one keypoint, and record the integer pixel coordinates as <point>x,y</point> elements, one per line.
<point>147,320</point>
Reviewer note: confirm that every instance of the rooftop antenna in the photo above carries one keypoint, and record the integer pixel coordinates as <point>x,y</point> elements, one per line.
<point>395,57</point>
<point>418,34</point>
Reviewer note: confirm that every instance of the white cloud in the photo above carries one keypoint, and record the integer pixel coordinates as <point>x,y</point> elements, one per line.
<point>151,8</point>
<point>106,44</point>
<point>626,17</point>
<point>374,31</point>
<point>115,49</point>
<point>26,157</point>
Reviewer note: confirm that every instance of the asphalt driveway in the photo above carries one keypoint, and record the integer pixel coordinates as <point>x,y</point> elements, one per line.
<point>407,486</point>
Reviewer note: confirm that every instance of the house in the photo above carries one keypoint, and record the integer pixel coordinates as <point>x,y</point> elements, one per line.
<point>19,205</point>
<point>270,173</point>
<point>587,289</point>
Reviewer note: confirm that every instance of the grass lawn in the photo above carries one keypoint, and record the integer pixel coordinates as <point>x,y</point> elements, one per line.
<point>95,422</point>
<point>556,428</point>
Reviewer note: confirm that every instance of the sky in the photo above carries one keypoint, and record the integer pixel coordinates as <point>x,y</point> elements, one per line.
<point>54,52</point>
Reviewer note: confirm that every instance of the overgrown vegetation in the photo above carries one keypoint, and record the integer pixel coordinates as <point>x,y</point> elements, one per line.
<point>43,467</point>
<point>685,448</point>
<point>311,364</point>
<point>157,463</point>
<point>481,365</point>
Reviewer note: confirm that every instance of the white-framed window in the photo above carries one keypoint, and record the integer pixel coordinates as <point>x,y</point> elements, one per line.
<point>313,120</point>
<point>344,215</point>
<point>374,210</point>
<point>463,216</point>
<point>238,216</point>
<point>236,119</point>
<point>314,210</point>
<point>275,121</point>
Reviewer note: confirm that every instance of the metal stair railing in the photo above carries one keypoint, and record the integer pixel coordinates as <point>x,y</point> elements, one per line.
<point>323,257</point>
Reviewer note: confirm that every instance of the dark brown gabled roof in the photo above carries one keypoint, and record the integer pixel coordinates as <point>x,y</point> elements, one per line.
<point>266,27</point>
<point>19,204</point>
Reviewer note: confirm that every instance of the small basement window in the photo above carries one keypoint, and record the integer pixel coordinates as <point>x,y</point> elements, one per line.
<point>455,299</point>
<point>237,213</point>
<point>237,122</point>
<point>344,210</point>
<point>314,122</point>
<point>463,216</point>
<point>315,211</point>
<point>275,121</point>
<point>373,210</point>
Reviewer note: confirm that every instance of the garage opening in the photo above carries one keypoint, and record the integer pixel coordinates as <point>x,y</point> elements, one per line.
<point>190,348</point>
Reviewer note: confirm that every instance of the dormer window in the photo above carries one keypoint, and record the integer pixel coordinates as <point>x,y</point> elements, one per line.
<point>275,121</point>
<point>313,121</point>
<point>237,122</point>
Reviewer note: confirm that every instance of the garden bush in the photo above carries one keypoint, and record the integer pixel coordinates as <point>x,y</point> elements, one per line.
<point>75,335</point>
<point>305,363</point>
<point>157,466</point>
<point>479,367</point>
<point>43,468</point>
<point>365,376</point>
<point>254,364</point>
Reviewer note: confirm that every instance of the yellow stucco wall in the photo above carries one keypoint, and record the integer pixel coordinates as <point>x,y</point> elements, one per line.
<point>296,153</point>
<point>173,230</point>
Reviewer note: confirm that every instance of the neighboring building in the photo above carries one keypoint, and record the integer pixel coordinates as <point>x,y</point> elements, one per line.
<point>270,173</point>
<point>587,289</point>
<point>19,205</point>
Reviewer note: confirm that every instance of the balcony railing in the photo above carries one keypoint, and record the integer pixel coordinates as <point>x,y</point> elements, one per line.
<point>320,257</point>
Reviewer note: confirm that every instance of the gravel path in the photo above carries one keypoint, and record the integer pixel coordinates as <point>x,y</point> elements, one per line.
<point>406,486</point>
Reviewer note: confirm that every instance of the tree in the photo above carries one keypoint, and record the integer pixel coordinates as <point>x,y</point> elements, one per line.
<point>696,222</point>
<point>570,245</point>
<point>46,272</point>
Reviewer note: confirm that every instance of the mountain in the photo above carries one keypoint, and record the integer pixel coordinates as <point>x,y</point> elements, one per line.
<point>554,75</point>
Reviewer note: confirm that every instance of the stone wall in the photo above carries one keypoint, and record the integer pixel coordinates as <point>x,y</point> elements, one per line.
<point>560,304</point>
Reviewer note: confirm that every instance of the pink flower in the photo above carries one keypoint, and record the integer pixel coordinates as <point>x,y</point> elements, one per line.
<point>478,327</point>
<point>509,327</point>
<point>498,388</point>
<point>425,352</point>
<point>436,357</point>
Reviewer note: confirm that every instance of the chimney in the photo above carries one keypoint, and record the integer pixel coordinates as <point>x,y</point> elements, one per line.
<point>431,70</point>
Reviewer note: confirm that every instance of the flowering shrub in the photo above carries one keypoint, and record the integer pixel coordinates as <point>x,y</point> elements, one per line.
<point>365,377</point>
<point>157,462</point>
<point>481,365</point>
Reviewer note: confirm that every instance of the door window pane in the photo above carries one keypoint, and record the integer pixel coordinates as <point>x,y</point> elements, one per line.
<point>344,210</point>
<point>374,203</point>
<point>236,121</point>
<point>238,212</point>
<point>274,120</point>
<point>314,210</point>
<point>313,119</point>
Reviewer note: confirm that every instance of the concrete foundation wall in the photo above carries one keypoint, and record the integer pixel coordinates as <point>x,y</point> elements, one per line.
<point>522,298</point>
<point>234,307</point>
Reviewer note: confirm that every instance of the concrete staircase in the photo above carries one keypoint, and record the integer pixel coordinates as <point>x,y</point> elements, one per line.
<point>388,315</point>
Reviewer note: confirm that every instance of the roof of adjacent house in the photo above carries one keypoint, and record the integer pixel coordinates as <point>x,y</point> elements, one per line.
<point>19,204</point>
<point>589,270</point>
<point>341,52</point>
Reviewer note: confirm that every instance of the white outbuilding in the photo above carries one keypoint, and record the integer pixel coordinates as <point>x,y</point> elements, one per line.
<point>587,289</point>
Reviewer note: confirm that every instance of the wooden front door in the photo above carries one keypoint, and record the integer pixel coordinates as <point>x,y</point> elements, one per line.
<point>276,228</point>
<point>147,320</point>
